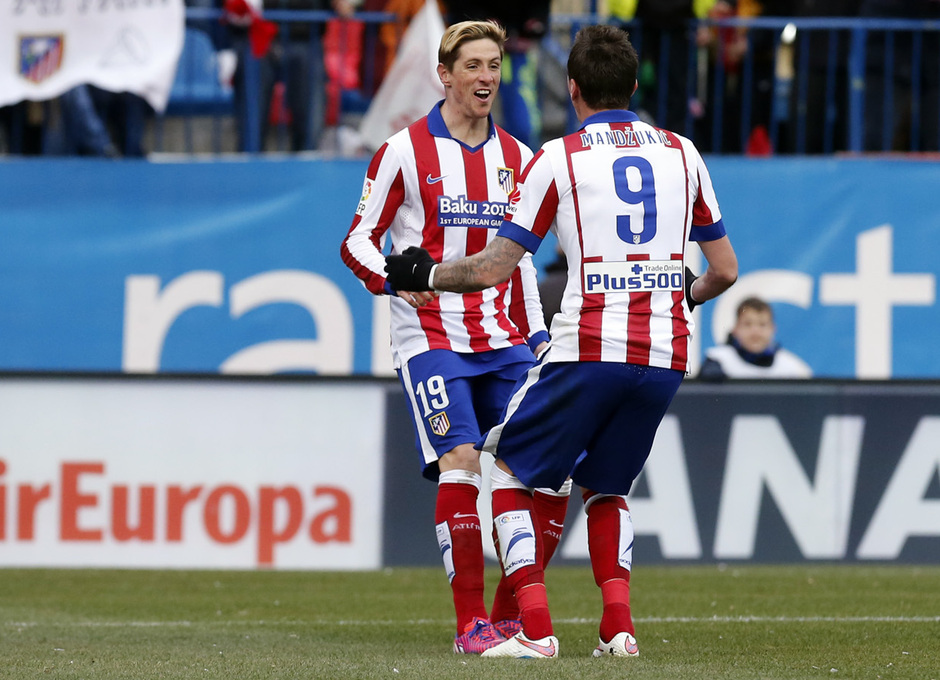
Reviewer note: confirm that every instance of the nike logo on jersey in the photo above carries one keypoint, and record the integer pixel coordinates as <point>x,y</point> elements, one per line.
<point>556,524</point>
<point>457,515</point>
<point>435,180</point>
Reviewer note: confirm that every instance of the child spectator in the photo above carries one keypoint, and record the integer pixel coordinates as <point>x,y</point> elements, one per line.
<point>751,350</point>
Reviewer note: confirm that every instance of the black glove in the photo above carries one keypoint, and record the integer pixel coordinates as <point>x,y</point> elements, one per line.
<point>411,270</point>
<point>689,280</point>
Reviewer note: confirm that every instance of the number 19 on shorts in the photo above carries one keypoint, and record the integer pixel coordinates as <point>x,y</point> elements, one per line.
<point>432,394</point>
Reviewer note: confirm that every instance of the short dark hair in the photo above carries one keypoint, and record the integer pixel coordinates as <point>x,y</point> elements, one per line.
<point>754,304</point>
<point>604,64</point>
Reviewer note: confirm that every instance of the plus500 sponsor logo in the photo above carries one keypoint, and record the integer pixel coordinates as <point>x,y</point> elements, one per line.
<point>626,277</point>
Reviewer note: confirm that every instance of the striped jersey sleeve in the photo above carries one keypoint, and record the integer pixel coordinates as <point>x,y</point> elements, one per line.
<point>383,193</point>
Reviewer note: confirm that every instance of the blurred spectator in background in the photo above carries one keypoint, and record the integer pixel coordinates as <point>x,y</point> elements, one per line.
<point>772,75</point>
<point>83,121</point>
<point>892,130</point>
<point>296,77</point>
<point>216,30</point>
<point>526,22</point>
<point>552,285</point>
<point>390,35</point>
<point>823,116</point>
<point>752,350</point>
<point>97,122</point>
<point>21,127</point>
<point>726,48</point>
<point>663,43</point>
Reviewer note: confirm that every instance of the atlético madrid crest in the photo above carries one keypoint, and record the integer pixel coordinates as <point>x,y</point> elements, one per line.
<point>440,424</point>
<point>40,56</point>
<point>507,179</point>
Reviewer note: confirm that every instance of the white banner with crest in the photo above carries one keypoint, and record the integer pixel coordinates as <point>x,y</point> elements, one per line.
<point>54,45</point>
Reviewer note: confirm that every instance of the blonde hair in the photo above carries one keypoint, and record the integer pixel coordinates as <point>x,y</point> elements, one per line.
<point>467,31</point>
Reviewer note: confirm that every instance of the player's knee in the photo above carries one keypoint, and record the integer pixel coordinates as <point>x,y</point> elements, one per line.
<point>590,497</point>
<point>500,479</point>
<point>461,457</point>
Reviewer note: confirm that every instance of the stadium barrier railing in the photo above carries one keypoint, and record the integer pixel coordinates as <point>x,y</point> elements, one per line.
<point>814,85</point>
<point>760,86</point>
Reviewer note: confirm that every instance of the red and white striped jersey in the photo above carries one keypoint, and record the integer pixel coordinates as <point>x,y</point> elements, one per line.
<point>424,188</point>
<point>624,199</point>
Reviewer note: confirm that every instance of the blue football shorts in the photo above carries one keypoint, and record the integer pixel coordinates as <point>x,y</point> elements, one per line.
<point>455,397</point>
<point>592,421</point>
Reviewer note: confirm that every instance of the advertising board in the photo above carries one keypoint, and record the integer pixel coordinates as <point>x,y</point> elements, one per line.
<point>233,267</point>
<point>104,472</point>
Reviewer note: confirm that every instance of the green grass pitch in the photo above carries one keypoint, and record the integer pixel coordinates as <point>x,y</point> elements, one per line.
<point>702,622</point>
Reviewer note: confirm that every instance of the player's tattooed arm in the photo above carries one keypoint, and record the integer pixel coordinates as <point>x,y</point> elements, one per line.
<point>492,265</point>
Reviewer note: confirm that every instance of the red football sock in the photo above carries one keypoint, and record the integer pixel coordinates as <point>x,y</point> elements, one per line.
<point>616,617</point>
<point>528,582</point>
<point>504,602</point>
<point>457,507</point>
<point>604,544</point>
<point>550,512</point>
<point>512,500</point>
<point>533,606</point>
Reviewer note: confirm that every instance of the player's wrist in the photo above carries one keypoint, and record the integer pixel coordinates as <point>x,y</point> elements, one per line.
<point>690,280</point>
<point>431,277</point>
<point>411,270</point>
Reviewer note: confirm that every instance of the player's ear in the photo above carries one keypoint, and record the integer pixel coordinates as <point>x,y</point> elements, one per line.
<point>443,74</point>
<point>573,90</point>
<point>636,84</point>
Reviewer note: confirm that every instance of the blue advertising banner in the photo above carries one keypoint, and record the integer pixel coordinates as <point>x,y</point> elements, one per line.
<point>191,267</point>
<point>844,249</point>
<point>233,266</point>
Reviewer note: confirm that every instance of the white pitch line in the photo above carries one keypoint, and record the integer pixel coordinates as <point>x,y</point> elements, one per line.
<point>790,619</point>
<point>443,622</point>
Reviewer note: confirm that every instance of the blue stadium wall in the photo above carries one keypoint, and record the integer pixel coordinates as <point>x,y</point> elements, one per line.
<point>233,267</point>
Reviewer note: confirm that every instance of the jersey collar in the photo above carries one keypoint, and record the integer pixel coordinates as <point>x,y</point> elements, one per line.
<point>438,128</point>
<point>765,358</point>
<point>611,116</point>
